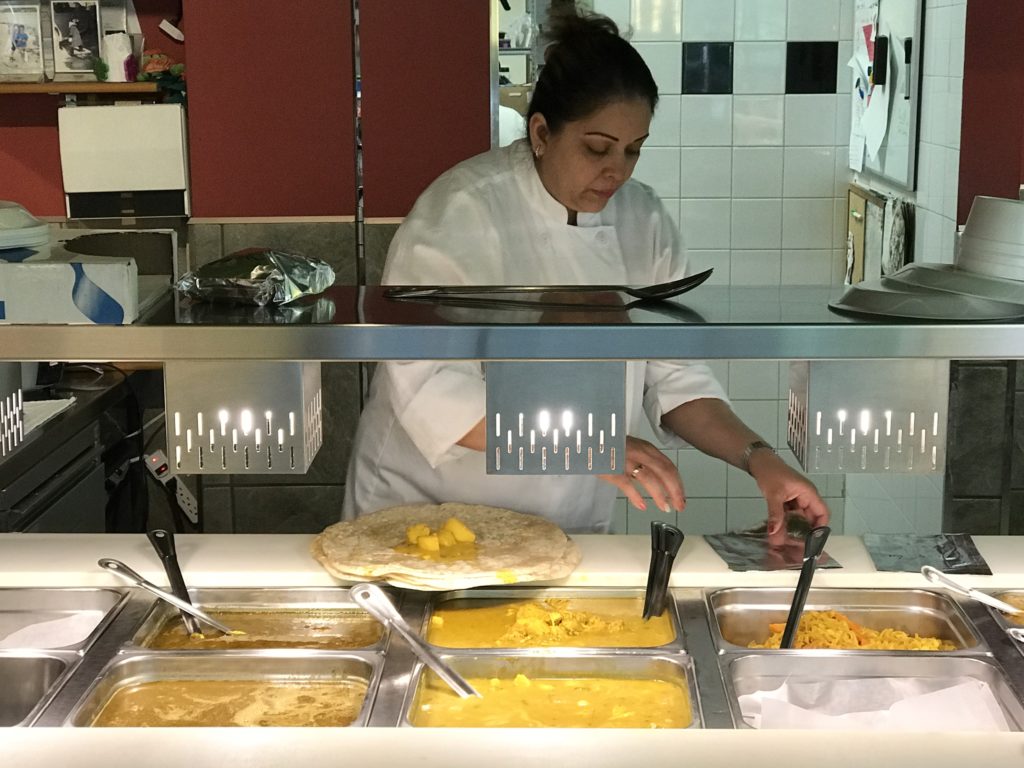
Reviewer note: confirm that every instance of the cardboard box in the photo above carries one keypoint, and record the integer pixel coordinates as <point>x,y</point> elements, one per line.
<point>516,96</point>
<point>53,285</point>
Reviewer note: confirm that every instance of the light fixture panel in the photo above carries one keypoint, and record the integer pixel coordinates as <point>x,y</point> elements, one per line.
<point>555,418</point>
<point>873,416</point>
<point>242,417</point>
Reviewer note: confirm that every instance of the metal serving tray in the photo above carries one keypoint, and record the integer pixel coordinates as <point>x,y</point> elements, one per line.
<point>21,608</point>
<point>29,682</point>
<point>631,666</point>
<point>291,666</point>
<point>238,599</point>
<point>476,597</point>
<point>765,672</point>
<point>741,615</point>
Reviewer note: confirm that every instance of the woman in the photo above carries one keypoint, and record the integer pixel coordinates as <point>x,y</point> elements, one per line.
<point>556,208</point>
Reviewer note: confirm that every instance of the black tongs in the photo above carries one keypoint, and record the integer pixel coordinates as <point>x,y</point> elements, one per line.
<point>163,543</point>
<point>814,545</point>
<point>666,540</point>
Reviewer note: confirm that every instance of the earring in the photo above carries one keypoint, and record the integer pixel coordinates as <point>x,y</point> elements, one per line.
<point>537,152</point>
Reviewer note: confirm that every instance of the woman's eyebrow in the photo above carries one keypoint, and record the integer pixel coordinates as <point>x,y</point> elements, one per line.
<point>614,138</point>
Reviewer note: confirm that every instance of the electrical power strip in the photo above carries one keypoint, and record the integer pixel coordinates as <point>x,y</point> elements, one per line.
<point>158,466</point>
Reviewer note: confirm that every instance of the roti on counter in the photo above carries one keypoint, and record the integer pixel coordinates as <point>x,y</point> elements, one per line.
<point>509,548</point>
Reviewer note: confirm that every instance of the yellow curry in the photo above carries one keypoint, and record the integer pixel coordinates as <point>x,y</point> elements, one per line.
<point>234,703</point>
<point>555,702</point>
<point>578,622</point>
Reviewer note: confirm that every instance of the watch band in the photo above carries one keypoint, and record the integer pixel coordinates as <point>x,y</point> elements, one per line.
<point>756,445</point>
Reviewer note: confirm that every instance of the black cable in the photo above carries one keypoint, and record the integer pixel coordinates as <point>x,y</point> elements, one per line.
<point>137,519</point>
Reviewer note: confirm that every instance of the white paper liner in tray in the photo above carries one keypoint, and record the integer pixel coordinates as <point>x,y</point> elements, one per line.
<point>880,704</point>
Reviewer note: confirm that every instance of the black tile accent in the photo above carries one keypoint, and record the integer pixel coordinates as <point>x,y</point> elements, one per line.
<point>978,430</point>
<point>812,67</point>
<point>707,68</point>
<point>975,516</point>
<point>1016,513</point>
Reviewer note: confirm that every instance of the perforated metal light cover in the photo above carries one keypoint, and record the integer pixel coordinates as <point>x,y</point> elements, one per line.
<point>242,417</point>
<point>877,416</point>
<point>555,418</point>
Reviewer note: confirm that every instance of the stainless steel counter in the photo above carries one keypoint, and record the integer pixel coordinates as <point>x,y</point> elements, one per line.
<point>351,324</point>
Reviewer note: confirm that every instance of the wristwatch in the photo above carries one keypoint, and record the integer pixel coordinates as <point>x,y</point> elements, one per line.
<point>757,445</point>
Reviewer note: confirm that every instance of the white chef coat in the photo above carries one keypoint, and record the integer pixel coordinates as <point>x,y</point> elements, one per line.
<point>490,221</point>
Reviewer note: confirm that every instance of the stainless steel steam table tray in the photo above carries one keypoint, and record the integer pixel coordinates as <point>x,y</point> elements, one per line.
<point>715,670</point>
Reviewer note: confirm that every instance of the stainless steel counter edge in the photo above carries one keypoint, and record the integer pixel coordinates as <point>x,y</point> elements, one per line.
<point>353,342</point>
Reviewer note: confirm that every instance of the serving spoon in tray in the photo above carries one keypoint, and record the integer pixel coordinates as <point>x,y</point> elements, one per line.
<point>120,569</point>
<point>657,292</point>
<point>375,602</point>
<point>935,576</point>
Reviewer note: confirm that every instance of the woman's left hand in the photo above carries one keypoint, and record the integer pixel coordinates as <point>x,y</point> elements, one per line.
<point>787,492</point>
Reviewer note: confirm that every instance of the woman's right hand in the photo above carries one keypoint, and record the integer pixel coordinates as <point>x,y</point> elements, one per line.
<point>649,470</point>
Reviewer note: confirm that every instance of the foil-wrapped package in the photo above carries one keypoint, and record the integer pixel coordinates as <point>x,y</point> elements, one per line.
<point>258,276</point>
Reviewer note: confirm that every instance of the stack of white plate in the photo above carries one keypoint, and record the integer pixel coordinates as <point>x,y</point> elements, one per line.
<point>992,242</point>
<point>20,229</point>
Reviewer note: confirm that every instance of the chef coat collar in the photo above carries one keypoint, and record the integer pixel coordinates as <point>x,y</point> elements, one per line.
<point>551,210</point>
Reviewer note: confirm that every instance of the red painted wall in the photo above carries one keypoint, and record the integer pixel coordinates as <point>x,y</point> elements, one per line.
<point>425,95</point>
<point>992,127</point>
<point>270,92</point>
<point>270,106</point>
<point>29,153</point>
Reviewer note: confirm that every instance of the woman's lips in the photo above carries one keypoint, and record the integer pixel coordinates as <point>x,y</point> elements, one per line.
<point>605,193</point>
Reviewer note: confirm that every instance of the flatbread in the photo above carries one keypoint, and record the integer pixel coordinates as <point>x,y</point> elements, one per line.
<point>511,547</point>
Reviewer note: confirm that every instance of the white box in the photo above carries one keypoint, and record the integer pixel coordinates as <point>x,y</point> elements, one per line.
<point>53,285</point>
<point>120,160</point>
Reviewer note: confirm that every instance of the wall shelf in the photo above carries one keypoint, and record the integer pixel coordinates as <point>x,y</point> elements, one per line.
<point>57,88</point>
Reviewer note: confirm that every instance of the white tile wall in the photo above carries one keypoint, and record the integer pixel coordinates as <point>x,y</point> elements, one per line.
<point>759,68</point>
<point>757,120</point>
<point>757,171</point>
<point>706,171</point>
<point>706,120</point>
<point>757,182</point>
<point>814,20</point>
<point>760,19</point>
<point>707,20</point>
<point>756,224</point>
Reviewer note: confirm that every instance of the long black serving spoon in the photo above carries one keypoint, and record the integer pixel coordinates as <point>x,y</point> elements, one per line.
<point>814,544</point>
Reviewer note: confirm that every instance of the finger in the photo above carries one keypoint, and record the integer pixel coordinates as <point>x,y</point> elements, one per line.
<point>666,493</point>
<point>628,489</point>
<point>776,522</point>
<point>660,478</point>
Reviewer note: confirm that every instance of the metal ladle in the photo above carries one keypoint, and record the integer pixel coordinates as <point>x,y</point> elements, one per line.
<point>375,602</point>
<point>935,576</point>
<point>123,571</point>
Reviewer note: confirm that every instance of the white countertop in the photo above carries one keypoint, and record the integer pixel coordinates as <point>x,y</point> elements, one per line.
<point>284,560</point>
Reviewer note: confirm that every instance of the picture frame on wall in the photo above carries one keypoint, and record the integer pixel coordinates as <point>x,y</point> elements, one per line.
<point>21,42</point>
<point>76,38</point>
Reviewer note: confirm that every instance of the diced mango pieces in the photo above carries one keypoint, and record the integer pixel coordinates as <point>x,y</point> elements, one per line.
<point>429,543</point>
<point>445,538</point>
<point>413,532</point>
<point>459,530</point>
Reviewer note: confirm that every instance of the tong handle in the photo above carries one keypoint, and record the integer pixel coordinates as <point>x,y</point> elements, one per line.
<point>814,545</point>
<point>163,543</point>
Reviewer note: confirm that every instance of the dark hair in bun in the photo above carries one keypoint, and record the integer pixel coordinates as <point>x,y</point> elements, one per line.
<point>587,65</point>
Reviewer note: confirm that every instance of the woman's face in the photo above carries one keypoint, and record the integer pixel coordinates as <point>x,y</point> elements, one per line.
<point>587,160</point>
